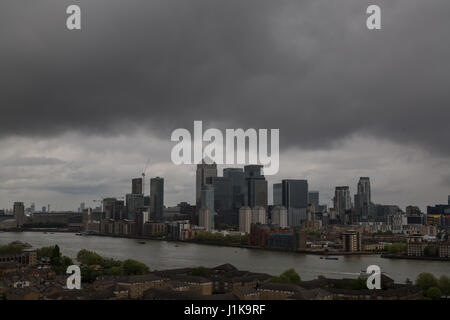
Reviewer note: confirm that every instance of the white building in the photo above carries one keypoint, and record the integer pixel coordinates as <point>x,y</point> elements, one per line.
<point>245,219</point>
<point>259,215</point>
<point>279,216</point>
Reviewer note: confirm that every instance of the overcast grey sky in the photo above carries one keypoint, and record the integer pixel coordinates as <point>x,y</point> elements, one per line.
<point>82,110</point>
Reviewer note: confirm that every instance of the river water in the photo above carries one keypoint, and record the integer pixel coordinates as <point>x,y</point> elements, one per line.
<point>159,255</point>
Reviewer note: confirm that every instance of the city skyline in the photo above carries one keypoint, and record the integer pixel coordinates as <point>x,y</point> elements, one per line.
<point>220,172</point>
<point>82,111</point>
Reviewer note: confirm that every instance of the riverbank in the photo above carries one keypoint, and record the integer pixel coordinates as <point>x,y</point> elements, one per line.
<point>403,256</point>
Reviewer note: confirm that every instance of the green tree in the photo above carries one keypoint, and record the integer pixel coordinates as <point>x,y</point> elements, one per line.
<point>133,267</point>
<point>426,280</point>
<point>11,249</point>
<point>444,285</point>
<point>288,276</point>
<point>430,251</point>
<point>199,271</point>
<point>87,257</point>
<point>434,293</point>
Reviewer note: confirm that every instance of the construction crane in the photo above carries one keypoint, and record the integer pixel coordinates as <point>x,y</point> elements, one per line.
<point>143,176</point>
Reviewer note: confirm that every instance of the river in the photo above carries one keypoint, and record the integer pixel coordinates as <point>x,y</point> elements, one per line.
<point>159,255</point>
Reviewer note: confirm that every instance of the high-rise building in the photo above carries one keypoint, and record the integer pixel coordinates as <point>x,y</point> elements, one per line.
<point>245,219</point>
<point>207,197</point>
<point>256,186</point>
<point>277,194</point>
<point>342,201</point>
<point>157,198</point>
<point>448,200</point>
<point>142,217</point>
<point>108,207</point>
<point>363,204</point>
<point>223,198</point>
<point>294,193</point>
<point>205,219</point>
<point>259,215</point>
<point>134,202</point>
<point>19,213</point>
<point>313,199</point>
<point>136,186</point>
<point>279,216</point>
<point>204,171</point>
<point>237,177</point>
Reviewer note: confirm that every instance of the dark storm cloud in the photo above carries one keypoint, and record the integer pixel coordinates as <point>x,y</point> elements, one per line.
<point>310,68</point>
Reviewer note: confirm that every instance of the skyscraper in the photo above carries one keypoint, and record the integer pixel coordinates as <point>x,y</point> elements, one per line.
<point>236,175</point>
<point>19,213</point>
<point>277,194</point>
<point>256,186</point>
<point>157,198</point>
<point>342,201</point>
<point>204,171</point>
<point>223,198</point>
<point>363,205</point>
<point>136,186</point>
<point>294,193</point>
<point>313,199</point>
<point>134,202</point>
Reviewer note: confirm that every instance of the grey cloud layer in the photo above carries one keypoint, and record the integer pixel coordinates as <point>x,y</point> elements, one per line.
<point>310,68</point>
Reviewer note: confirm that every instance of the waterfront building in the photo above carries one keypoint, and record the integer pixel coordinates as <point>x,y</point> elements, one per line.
<point>415,245</point>
<point>351,241</point>
<point>133,203</point>
<point>259,215</point>
<point>205,219</point>
<point>245,219</point>
<point>19,213</point>
<point>279,216</point>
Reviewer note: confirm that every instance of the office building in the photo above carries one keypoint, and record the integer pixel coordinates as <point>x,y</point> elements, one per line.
<point>256,186</point>
<point>363,204</point>
<point>156,198</point>
<point>294,193</point>
<point>223,198</point>
<point>313,199</point>
<point>237,177</point>
<point>277,194</point>
<point>204,171</point>
<point>342,201</point>
<point>142,217</point>
<point>19,213</point>
<point>133,203</point>
<point>136,186</point>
